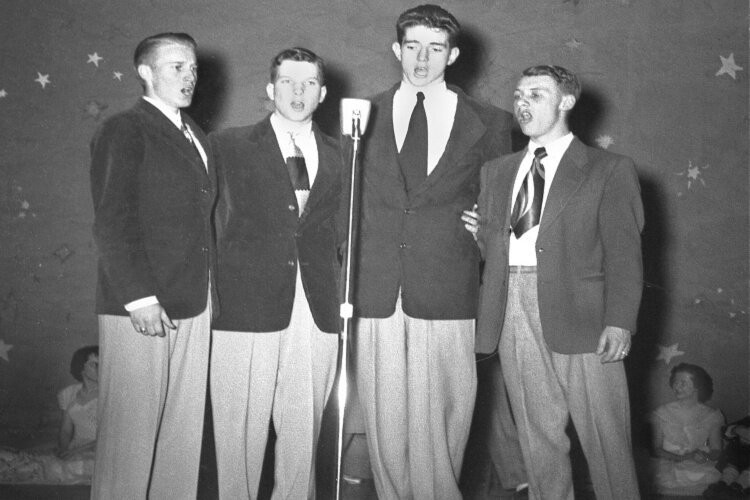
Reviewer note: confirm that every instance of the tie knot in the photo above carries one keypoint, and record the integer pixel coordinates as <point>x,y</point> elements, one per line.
<point>540,153</point>
<point>420,97</point>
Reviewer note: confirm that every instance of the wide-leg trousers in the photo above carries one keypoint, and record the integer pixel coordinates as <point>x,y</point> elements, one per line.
<point>152,396</point>
<point>286,376</point>
<point>417,384</point>
<point>547,389</point>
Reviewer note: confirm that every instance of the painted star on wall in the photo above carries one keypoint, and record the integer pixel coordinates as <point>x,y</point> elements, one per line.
<point>574,43</point>
<point>668,352</point>
<point>3,93</point>
<point>94,109</point>
<point>605,141</point>
<point>94,59</point>
<point>43,80</point>
<point>116,75</point>
<point>728,66</point>
<point>694,174</point>
<point>4,348</point>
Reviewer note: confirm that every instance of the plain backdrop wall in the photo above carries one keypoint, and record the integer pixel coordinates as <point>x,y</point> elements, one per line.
<point>665,82</point>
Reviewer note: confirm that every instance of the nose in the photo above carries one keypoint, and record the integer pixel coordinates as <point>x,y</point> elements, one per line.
<point>423,54</point>
<point>298,88</point>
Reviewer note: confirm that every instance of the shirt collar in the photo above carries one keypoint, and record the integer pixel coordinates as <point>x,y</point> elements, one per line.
<point>174,116</point>
<point>433,89</point>
<point>281,127</point>
<point>555,148</point>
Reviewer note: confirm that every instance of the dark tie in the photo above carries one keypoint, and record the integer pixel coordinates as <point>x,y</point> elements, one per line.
<point>298,174</point>
<point>189,136</point>
<point>525,215</point>
<point>413,155</point>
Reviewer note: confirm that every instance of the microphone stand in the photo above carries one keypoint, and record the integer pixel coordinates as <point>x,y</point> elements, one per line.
<point>346,309</point>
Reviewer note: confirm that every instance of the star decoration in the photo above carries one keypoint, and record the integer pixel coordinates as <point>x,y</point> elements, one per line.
<point>43,80</point>
<point>3,93</point>
<point>605,141</point>
<point>94,59</point>
<point>694,174</point>
<point>4,348</point>
<point>668,352</point>
<point>574,43</point>
<point>728,66</point>
<point>94,109</point>
<point>116,75</point>
<point>63,253</point>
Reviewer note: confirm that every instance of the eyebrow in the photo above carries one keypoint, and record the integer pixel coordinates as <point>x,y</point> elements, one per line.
<point>441,44</point>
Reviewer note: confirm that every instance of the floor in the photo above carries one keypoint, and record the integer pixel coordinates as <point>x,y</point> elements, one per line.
<point>478,481</point>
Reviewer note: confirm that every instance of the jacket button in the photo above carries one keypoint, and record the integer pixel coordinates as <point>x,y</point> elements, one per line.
<point>204,249</point>
<point>204,190</point>
<point>291,208</point>
<point>290,263</point>
<point>407,211</point>
<point>402,245</point>
<point>541,250</point>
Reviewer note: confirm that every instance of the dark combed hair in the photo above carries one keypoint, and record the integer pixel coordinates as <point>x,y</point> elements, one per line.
<point>701,379</point>
<point>79,360</point>
<point>148,46</point>
<point>565,79</point>
<point>298,54</point>
<point>431,16</point>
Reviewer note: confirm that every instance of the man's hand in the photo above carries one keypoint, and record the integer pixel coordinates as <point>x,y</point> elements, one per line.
<point>614,344</point>
<point>471,219</point>
<point>151,320</point>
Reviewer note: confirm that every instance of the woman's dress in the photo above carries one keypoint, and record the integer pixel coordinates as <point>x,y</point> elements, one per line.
<point>685,431</point>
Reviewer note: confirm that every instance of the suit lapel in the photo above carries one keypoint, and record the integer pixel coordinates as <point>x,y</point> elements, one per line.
<point>571,172</point>
<point>172,136</point>
<point>466,131</point>
<point>265,154</point>
<point>326,175</point>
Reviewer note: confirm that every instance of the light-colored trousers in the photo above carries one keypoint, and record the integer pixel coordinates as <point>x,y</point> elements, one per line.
<point>417,383</point>
<point>286,376</point>
<point>547,388</point>
<point>152,399</point>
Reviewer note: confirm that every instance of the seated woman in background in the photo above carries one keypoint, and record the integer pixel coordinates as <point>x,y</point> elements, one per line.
<point>687,434</point>
<point>73,460</point>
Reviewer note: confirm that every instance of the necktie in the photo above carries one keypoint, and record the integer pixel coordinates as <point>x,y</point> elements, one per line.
<point>525,215</point>
<point>189,136</point>
<point>413,154</point>
<point>298,174</point>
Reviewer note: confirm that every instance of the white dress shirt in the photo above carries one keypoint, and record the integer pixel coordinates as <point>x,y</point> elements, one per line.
<point>522,251</point>
<point>440,108</point>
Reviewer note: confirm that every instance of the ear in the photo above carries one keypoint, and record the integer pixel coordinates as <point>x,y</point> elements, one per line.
<point>144,71</point>
<point>396,48</point>
<point>323,92</point>
<point>567,102</point>
<point>453,55</point>
<point>269,91</point>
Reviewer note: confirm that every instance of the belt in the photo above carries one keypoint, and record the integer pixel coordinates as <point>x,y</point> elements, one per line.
<point>522,269</point>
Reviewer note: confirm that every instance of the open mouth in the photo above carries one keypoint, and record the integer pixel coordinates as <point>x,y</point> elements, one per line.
<point>298,106</point>
<point>187,91</point>
<point>523,117</point>
<point>420,71</point>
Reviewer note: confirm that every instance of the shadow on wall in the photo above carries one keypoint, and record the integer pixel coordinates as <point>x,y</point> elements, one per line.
<point>210,93</point>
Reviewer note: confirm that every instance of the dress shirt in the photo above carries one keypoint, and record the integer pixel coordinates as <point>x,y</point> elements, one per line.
<point>440,108</point>
<point>305,140</point>
<point>522,251</point>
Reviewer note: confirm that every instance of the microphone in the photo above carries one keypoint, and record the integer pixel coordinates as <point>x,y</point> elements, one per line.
<point>354,116</point>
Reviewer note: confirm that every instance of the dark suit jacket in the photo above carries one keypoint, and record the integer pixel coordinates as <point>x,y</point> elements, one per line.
<point>153,202</point>
<point>418,242</point>
<point>261,238</point>
<point>589,267</point>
